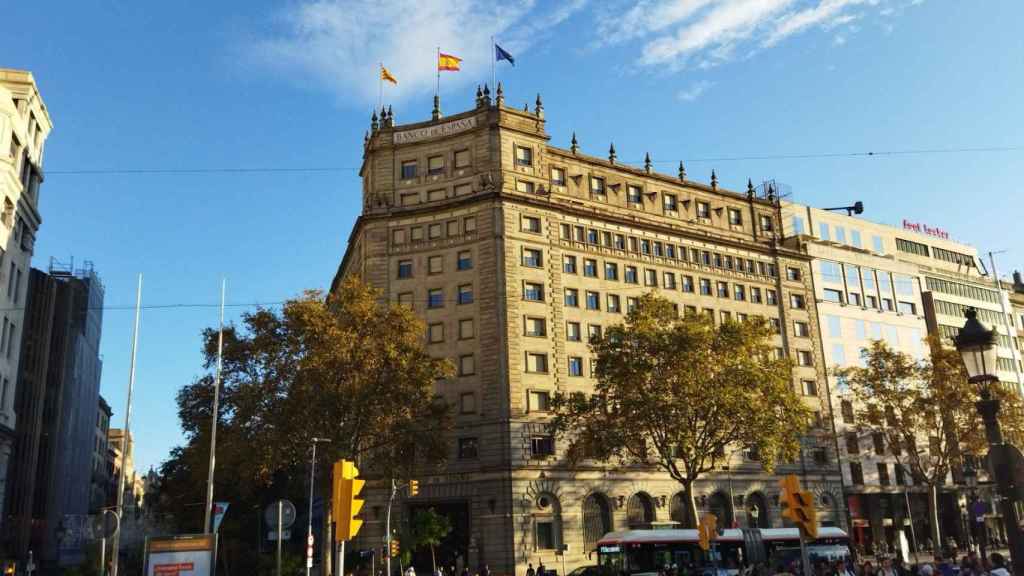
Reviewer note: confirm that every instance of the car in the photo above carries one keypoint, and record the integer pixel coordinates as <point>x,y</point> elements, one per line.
<point>593,570</point>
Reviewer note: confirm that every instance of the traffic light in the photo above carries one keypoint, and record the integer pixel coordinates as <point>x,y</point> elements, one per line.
<point>707,531</point>
<point>346,503</point>
<point>394,548</point>
<point>414,487</point>
<point>799,506</point>
<point>10,568</point>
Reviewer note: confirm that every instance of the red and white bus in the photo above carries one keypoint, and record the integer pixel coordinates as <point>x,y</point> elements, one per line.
<point>645,552</point>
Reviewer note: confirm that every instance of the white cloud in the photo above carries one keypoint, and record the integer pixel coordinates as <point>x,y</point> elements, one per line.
<point>340,44</point>
<point>694,91</point>
<point>828,13</point>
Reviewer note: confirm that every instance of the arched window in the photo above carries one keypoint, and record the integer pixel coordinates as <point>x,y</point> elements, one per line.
<point>719,505</point>
<point>547,523</point>
<point>757,511</point>
<point>677,509</point>
<point>640,510</point>
<point>597,520</point>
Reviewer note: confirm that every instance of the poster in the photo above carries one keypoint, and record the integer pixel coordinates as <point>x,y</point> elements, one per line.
<point>190,555</point>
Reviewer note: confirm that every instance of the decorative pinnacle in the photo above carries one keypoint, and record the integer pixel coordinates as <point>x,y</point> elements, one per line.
<point>574,145</point>
<point>366,138</point>
<point>391,115</point>
<point>682,171</point>
<point>714,180</point>
<point>647,162</point>
<point>479,92</point>
<point>611,153</point>
<point>436,113</point>
<point>750,188</point>
<point>500,98</point>
<point>373,120</point>
<point>539,109</point>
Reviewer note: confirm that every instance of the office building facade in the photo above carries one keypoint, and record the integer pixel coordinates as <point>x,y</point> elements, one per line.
<point>515,253</point>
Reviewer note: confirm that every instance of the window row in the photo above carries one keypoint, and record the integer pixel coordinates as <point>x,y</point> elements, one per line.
<point>435,231</point>
<point>883,478</point>
<point>436,297</point>
<point>838,234</point>
<point>436,264</point>
<point>960,289</point>
<point>990,317</point>
<point>435,164</point>
<point>465,330</point>
<point>659,249</point>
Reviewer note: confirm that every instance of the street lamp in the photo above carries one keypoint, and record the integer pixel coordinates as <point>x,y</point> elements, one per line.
<point>976,344</point>
<point>312,477</point>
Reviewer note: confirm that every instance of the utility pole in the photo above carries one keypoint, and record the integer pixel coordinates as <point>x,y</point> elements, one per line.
<point>215,415</point>
<point>387,528</point>
<point>125,444</point>
<point>312,482</point>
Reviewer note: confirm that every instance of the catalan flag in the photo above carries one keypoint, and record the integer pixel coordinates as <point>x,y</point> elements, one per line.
<point>385,75</point>
<point>448,62</point>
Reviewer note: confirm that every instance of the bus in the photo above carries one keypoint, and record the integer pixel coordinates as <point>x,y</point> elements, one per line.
<point>645,552</point>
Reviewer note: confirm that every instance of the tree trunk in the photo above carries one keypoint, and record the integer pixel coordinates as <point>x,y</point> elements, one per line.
<point>433,560</point>
<point>933,516</point>
<point>691,505</point>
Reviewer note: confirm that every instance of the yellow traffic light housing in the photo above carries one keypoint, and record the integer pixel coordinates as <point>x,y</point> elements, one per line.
<point>394,548</point>
<point>414,487</point>
<point>10,568</point>
<point>707,531</point>
<point>346,504</point>
<point>799,506</point>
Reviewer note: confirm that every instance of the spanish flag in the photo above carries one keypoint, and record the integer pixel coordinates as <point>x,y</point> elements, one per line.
<point>448,62</point>
<point>385,75</point>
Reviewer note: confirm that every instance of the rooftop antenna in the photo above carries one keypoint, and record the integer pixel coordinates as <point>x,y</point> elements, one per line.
<point>857,208</point>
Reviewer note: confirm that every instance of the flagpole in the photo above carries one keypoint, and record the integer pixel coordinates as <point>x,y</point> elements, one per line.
<point>208,522</point>
<point>380,86</point>
<point>437,63</point>
<point>494,57</point>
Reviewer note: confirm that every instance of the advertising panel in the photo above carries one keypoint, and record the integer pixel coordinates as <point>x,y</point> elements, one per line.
<point>187,555</point>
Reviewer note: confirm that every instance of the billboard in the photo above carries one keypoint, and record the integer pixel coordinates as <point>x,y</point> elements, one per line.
<point>187,555</point>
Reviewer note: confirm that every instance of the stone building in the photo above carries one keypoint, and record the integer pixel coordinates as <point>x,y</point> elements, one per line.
<point>515,252</point>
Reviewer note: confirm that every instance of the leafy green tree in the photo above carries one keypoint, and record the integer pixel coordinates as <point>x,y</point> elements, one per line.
<point>679,392</point>
<point>429,528</point>
<point>349,367</point>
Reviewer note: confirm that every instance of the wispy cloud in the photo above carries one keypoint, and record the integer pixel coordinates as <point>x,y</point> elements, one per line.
<point>340,44</point>
<point>678,34</point>
<point>694,91</point>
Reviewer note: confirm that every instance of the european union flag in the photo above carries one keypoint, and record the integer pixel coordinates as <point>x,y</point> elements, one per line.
<point>501,54</point>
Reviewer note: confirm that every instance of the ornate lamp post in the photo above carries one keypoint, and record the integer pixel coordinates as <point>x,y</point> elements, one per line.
<point>976,344</point>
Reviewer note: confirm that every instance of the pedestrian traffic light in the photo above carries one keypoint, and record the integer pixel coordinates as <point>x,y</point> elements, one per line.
<point>346,503</point>
<point>394,548</point>
<point>414,487</point>
<point>707,530</point>
<point>799,506</point>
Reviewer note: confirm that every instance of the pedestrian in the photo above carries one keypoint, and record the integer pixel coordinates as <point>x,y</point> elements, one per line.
<point>410,571</point>
<point>541,569</point>
<point>529,567</point>
<point>465,571</point>
<point>887,569</point>
<point>925,570</point>
<point>485,571</point>
<point>867,569</point>
<point>998,565</point>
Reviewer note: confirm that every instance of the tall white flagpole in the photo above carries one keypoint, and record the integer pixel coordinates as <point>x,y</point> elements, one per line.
<point>214,416</point>
<point>125,444</point>
<point>494,57</point>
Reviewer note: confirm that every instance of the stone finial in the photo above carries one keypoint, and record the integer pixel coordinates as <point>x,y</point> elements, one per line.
<point>436,113</point>
<point>391,116</point>
<point>611,153</point>
<point>500,97</point>
<point>750,189</point>
<point>373,121</point>
<point>479,95</point>
<point>647,162</point>
<point>714,180</point>
<point>574,146</point>
<point>682,172</point>
<point>366,138</point>
<point>526,107</point>
<point>487,95</point>
<point>539,109</point>
<point>771,193</point>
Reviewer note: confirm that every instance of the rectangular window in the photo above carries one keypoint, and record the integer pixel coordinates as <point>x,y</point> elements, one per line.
<point>810,388</point>
<point>467,365</point>
<point>467,448</point>
<point>408,169</point>
<point>645,247</point>
<point>434,231</point>
<point>804,358</point>
<point>524,156</point>
<point>462,158</point>
<point>856,473</point>
<point>452,228</point>
<point>838,353</point>
<point>531,224</point>
<point>883,474</point>
<point>579,234</point>
<point>590,268</point>
<point>650,277</point>
<point>911,247</point>
<point>535,326</point>
<point>565,232</point>
<point>538,401</point>
<point>611,271</point>
<point>904,285</point>
<point>840,234</point>
<point>631,277</point>
<point>668,280</point>
<point>435,333</point>
<point>575,366</point>
<point>533,291</point>
<point>435,165</point>
<point>469,224</point>
<point>735,217</point>
<point>612,304</point>
<point>631,303</point>
<point>877,245</point>
<point>541,446</point>
<point>558,176</point>
<point>798,225</point>
<point>435,298</point>
<point>466,294</point>
<point>688,284</point>
<point>703,210</point>
<point>823,231</point>
<point>572,331</point>
<point>405,299</point>
<point>620,242</point>
<point>634,196</point>
<point>532,258</point>
<point>465,260</point>
<point>797,301</point>
<point>398,236</point>
<point>572,297</point>
<point>771,298</point>
<point>722,289</point>
<point>597,186</point>
<point>801,329</point>
<point>907,308</point>
<point>766,223</point>
<point>726,316</point>
<point>830,295</point>
<point>435,195</point>
<point>878,439</point>
<point>792,274</point>
<point>435,264</point>
<point>593,332</point>
<point>467,329</point>
<point>846,407</point>
<point>887,305</point>
<point>410,198</point>
<point>670,202</point>
<point>705,287</point>
<point>852,443</point>
<point>591,236</point>
<point>659,249</point>
<point>739,292</point>
<point>463,189</point>
<point>593,300</point>
<point>855,239</point>
<point>536,362</point>
<point>776,325</point>
<point>405,268</point>
<point>569,264</point>
<point>524,186</point>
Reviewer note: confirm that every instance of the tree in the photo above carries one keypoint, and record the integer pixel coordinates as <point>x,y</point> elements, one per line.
<point>349,367</point>
<point>925,412</point>
<point>677,392</point>
<point>428,529</point>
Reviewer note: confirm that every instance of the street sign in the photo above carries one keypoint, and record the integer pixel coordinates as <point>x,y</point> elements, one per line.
<point>287,514</point>
<point>219,510</point>
<point>285,535</point>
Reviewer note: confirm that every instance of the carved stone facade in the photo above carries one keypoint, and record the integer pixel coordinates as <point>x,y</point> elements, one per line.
<point>514,251</point>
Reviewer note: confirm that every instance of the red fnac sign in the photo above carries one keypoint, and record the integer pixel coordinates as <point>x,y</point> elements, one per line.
<point>925,229</point>
<point>173,569</point>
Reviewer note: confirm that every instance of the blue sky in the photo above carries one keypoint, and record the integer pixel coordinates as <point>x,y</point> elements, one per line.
<point>185,85</point>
